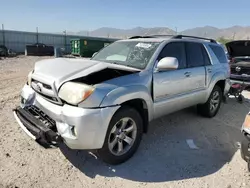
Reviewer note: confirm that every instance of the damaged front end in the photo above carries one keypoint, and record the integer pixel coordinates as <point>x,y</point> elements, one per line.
<point>38,126</point>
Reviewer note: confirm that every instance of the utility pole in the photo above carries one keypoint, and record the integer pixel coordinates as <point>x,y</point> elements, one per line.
<point>3,34</point>
<point>176,31</point>
<point>65,39</point>
<point>36,34</point>
<point>233,35</point>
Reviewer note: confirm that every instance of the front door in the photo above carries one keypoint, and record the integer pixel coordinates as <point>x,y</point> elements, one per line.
<point>169,85</point>
<point>184,87</point>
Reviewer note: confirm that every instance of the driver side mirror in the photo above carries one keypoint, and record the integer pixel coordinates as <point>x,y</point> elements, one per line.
<point>94,54</point>
<point>167,63</point>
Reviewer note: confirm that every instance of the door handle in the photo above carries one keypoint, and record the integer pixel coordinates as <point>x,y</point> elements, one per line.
<point>187,74</point>
<point>209,70</point>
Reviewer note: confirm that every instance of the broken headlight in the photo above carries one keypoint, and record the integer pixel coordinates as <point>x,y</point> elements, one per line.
<point>74,93</point>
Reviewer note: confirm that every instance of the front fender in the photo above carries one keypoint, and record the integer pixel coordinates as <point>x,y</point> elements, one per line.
<point>127,93</point>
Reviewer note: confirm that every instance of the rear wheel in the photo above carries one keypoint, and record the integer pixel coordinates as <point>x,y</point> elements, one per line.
<point>123,136</point>
<point>212,106</point>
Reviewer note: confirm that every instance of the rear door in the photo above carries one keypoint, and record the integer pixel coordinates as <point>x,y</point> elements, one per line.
<point>195,67</point>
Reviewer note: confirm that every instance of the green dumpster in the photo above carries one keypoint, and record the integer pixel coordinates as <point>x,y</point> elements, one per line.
<point>86,47</point>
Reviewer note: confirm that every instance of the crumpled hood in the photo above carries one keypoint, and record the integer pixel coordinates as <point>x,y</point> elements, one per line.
<point>59,70</point>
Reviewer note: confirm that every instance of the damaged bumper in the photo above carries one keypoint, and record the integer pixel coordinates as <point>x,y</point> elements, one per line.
<point>36,129</point>
<point>78,128</point>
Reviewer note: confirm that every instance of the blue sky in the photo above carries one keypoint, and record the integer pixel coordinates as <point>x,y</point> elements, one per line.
<point>75,15</point>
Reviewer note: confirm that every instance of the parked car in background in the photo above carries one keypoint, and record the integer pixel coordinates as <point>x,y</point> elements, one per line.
<point>239,56</point>
<point>3,51</point>
<point>39,49</point>
<point>107,102</point>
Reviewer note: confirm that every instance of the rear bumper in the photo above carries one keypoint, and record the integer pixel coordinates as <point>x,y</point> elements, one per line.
<point>37,130</point>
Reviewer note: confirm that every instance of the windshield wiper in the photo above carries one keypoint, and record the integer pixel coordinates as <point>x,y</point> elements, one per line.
<point>127,65</point>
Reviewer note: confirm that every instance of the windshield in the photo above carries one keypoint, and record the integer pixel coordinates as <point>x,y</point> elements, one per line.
<point>130,53</point>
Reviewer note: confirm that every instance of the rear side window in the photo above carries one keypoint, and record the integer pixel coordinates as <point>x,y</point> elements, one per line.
<point>177,50</point>
<point>220,53</point>
<point>194,54</point>
<point>205,56</point>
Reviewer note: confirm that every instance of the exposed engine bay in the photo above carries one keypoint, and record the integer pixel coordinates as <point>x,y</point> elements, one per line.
<point>103,75</point>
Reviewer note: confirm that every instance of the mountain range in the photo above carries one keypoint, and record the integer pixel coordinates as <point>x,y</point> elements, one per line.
<point>234,32</point>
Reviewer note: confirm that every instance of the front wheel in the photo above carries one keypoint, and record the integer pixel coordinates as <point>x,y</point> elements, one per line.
<point>123,136</point>
<point>212,106</point>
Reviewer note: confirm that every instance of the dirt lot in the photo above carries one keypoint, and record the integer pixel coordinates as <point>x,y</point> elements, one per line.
<point>164,158</point>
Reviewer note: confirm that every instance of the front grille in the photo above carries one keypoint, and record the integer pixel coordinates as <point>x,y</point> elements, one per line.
<point>243,70</point>
<point>45,90</point>
<point>41,116</point>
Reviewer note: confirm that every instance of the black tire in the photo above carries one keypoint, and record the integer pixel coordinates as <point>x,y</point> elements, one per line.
<point>204,109</point>
<point>104,153</point>
<point>240,98</point>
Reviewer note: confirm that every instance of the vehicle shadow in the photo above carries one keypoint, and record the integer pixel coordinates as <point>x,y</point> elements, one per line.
<point>164,154</point>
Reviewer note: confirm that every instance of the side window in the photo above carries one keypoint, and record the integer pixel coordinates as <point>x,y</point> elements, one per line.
<point>177,50</point>
<point>220,53</point>
<point>194,54</point>
<point>205,56</point>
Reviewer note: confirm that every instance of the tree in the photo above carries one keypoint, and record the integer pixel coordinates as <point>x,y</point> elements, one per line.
<point>223,40</point>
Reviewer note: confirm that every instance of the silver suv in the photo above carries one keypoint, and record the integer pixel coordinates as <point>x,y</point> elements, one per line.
<point>106,103</point>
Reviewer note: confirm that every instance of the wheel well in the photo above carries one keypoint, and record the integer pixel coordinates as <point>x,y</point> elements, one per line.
<point>141,106</point>
<point>221,84</point>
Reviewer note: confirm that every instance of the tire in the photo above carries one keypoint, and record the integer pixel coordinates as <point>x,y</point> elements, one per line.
<point>205,109</point>
<point>133,119</point>
<point>248,166</point>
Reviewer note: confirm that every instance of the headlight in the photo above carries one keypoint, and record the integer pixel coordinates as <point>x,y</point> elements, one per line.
<point>246,124</point>
<point>29,77</point>
<point>74,93</point>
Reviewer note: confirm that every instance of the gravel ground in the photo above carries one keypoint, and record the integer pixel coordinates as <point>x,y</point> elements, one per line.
<point>164,158</point>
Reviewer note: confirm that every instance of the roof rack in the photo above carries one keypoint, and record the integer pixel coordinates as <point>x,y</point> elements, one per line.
<point>137,37</point>
<point>161,35</point>
<point>173,37</point>
<point>186,36</point>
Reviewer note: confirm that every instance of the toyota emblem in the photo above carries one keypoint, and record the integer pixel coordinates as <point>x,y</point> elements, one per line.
<point>237,69</point>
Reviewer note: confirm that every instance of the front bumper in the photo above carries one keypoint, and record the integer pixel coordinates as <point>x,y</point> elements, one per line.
<point>239,79</point>
<point>36,129</point>
<point>77,127</point>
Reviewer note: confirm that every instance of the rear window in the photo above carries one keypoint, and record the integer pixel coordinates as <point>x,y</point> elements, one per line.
<point>220,53</point>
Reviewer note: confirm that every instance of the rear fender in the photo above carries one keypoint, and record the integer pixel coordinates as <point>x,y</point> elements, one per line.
<point>218,76</point>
